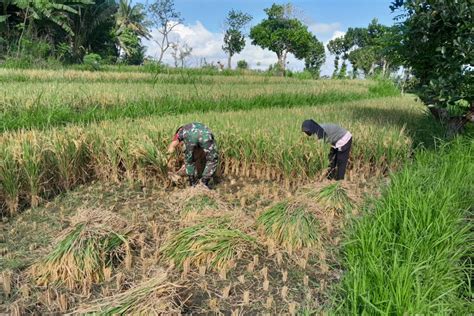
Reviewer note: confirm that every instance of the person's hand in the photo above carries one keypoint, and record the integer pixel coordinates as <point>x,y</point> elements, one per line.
<point>181,171</point>
<point>172,146</point>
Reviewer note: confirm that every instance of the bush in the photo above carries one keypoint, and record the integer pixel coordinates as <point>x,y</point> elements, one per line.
<point>92,61</point>
<point>242,64</point>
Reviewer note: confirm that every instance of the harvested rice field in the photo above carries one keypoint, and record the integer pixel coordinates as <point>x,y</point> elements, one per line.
<point>92,223</point>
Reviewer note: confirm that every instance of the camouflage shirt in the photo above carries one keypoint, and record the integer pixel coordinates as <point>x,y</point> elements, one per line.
<point>197,135</point>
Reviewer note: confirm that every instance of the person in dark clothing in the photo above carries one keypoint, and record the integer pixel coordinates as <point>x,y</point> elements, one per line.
<point>340,140</point>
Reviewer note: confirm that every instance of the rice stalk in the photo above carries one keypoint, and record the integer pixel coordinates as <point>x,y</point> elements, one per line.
<point>10,181</point>
<point>155,296</point>
<point>93,245</point>
<point>31,162</point>
<point>335,195</point>
<point>290,225</point>
<point>212,243</point>
<point>70,159</point>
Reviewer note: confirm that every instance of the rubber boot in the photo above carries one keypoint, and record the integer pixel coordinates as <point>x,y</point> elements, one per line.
<point>192,181</point>
<point>205,181</point>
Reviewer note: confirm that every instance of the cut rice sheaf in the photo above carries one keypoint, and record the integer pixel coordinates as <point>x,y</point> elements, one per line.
<point>289,224</point>
<point>155,296</point>
<point>96,241</point>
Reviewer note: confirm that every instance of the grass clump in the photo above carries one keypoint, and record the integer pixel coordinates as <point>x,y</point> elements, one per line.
<point>85,252</point>
<point>212,243</point>
<point>155,296</point>
<point>290,225</point>
<point>410,255</point>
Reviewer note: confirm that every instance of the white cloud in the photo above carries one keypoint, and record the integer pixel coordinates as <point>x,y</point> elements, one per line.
<point>337,34</point>
<point>208,45</point>
<point>324,28</point>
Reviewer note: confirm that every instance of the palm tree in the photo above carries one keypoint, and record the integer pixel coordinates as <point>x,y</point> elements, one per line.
<point>130,21</point>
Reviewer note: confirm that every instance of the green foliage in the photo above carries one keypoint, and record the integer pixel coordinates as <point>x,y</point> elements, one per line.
<point>315,58</point>
<point>130,26</point>
<point>410,255</point>
<point>438,47</point>
<point>371,49</point>
<point>283,34</point>
<point>92,61</point>
<point>234,39</point>
<point>242,64</point>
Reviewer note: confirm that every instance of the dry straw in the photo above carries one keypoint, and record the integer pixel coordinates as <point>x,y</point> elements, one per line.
<point>156,296</point>
<point>96,241</point>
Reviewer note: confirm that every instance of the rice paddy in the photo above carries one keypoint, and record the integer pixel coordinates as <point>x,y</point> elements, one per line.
<point>96,220</point>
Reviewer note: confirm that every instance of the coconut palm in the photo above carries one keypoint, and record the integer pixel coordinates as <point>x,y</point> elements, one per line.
<point>130,21</point>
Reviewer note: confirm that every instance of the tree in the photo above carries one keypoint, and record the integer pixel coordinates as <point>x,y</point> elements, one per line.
<point>165,18</point>
<point>242,64</point>
<point>55,11</point>
<point>234,39</point>
<point>439,47</point>
<point>338,47</point>
<point>94,31</point>
<point>315,58</point>
<point>180,53</point>
<point>368,49</point>
<point>282,34</point>
<point>131,26</point>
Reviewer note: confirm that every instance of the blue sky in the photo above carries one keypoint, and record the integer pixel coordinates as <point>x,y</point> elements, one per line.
<point>327,19</point>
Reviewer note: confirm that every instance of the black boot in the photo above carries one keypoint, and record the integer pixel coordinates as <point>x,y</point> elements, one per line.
<point>192,181</point>
<point>205,181</point>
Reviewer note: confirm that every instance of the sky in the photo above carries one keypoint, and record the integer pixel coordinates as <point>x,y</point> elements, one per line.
<point>203,28</point>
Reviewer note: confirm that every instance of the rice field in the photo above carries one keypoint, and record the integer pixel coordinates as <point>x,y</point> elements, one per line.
<point>43,99</point>
<point>92,224</point>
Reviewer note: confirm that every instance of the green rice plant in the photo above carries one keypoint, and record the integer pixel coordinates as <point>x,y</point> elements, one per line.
<point>335,196</point>
<point>10,181</point>
<point>49,98</point>
<point>290,225</point>
<point>156,296</point>
<point>212,243</point>
<point>97,241</point>
<point>410,254</point>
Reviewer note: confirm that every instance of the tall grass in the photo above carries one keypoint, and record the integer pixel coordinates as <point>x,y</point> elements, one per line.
<point>410,255</point>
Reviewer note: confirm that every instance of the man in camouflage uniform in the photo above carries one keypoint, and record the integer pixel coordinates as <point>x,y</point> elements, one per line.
<point>196,135</point>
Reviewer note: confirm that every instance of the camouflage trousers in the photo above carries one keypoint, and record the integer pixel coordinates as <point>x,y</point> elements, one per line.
<point>196,155</point>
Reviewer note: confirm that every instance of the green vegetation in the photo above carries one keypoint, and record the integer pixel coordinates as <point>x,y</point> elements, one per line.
<point>411,253</point>
<point>77,97</point>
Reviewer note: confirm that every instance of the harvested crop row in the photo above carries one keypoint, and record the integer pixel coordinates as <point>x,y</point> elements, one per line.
<point>36,165</point>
